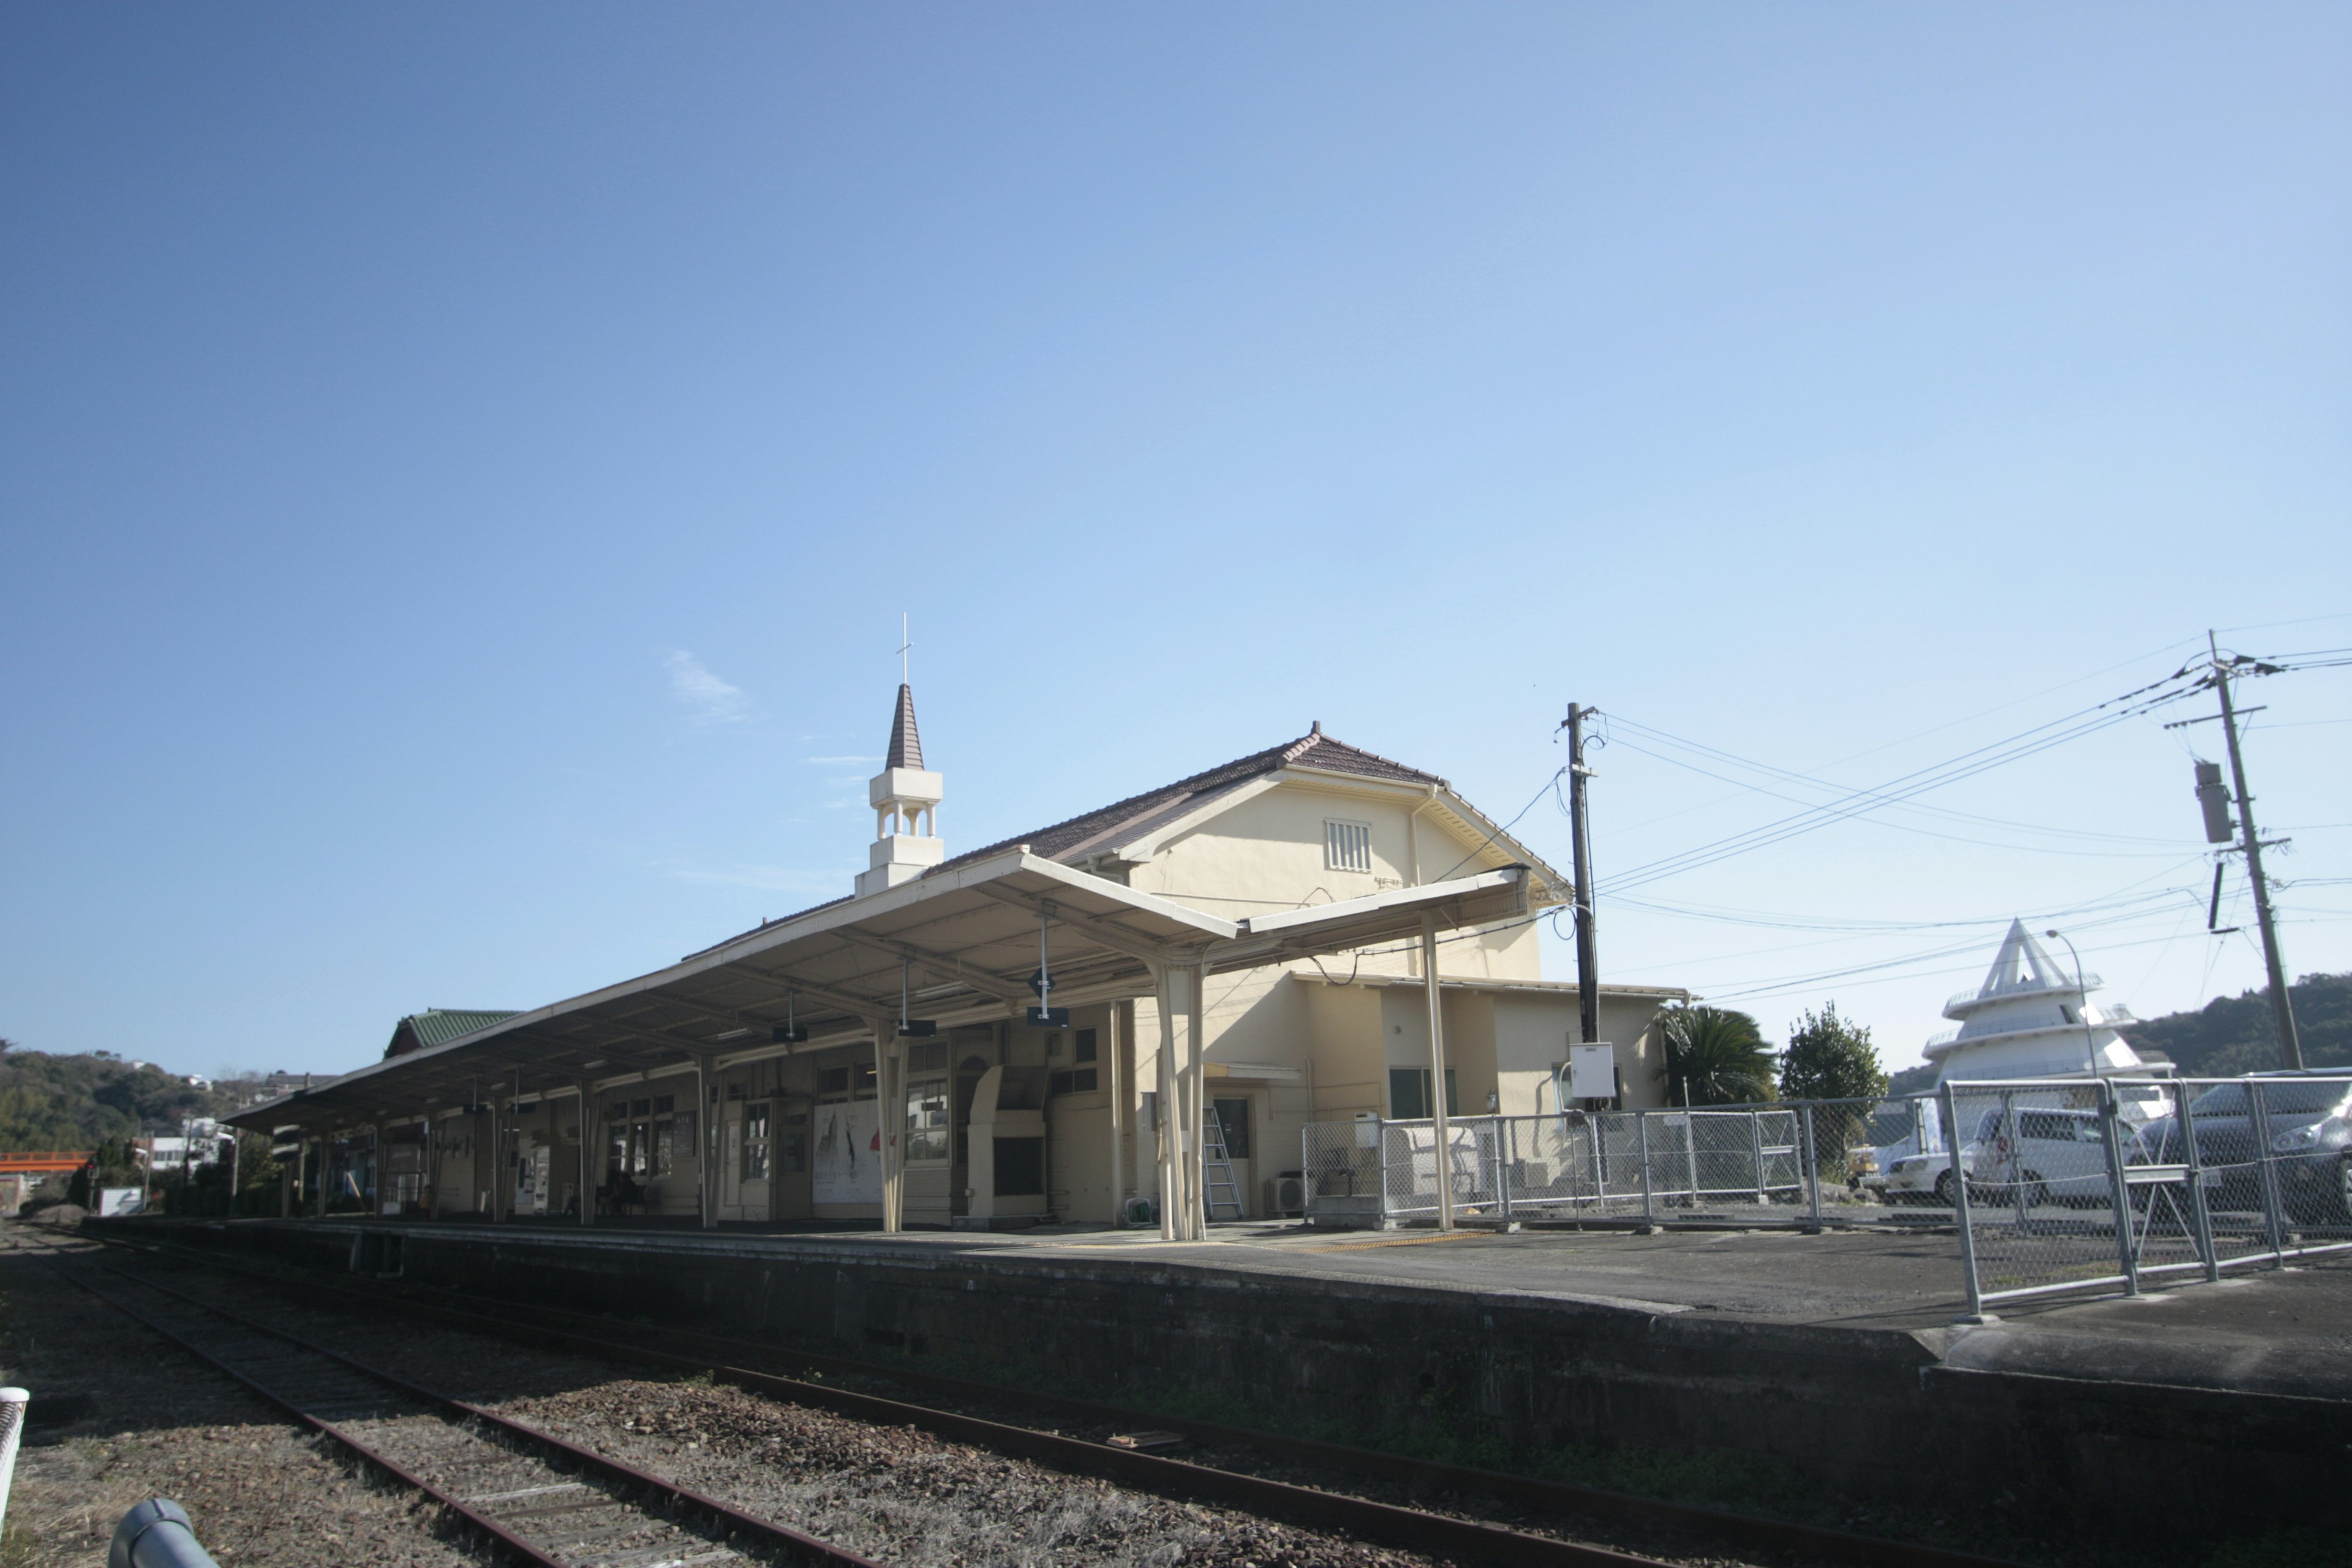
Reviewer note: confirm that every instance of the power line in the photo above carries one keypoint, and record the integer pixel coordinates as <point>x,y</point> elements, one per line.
<point>1980,759</point>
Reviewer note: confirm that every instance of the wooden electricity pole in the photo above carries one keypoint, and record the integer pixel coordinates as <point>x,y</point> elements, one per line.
<point>2282,1006</point>
<point>1587,964</point>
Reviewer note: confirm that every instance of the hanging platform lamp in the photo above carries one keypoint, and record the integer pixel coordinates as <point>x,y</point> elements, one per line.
<point>789,1032</point>
<point>1045,1016</point>
<point>912,1028</point>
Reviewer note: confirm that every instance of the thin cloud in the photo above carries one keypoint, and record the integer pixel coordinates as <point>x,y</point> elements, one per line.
<point>837,760</point>
<point>708,700</point>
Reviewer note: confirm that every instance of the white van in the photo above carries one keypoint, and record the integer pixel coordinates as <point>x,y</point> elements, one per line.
<point>2048,1156</point>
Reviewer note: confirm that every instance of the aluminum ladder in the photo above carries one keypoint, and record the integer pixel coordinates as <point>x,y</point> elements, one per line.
<point>1217,1169</point>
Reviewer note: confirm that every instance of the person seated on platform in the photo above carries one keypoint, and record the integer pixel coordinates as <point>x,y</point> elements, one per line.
<point>619,1194</point>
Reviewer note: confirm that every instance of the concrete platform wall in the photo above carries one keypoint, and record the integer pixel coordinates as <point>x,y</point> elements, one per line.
<point>1868,1413</point>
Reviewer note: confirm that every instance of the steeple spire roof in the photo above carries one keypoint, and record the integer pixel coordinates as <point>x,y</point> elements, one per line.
<point>906,740</point>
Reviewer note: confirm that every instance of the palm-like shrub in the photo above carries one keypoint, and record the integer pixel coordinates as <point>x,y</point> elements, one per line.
<point>1715,1056</point>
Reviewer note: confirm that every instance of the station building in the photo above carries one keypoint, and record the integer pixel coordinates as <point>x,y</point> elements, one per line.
<point>1056,1026</point>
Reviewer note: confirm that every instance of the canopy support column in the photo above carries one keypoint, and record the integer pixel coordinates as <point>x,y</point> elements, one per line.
<point>1444,1150</point>
<point>886,1096</point>
<point>1196,1085</point>
<point>1168,1121</point>
<point>1111,1059</point>
<point>587,1152</point>
<point>705,1140</point>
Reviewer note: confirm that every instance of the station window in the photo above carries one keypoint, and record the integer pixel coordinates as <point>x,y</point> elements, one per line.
<point>1346,846</point>
<point>927,1127</point>
<point>1408,1098</point>
<point>833,1080</point>
<point>1084,1050</point>
<point>1081,1080</point>
<point>791,1152</point>
<point>755,1142</point>
<point>930,1058</point>
<point>1233,1118</point>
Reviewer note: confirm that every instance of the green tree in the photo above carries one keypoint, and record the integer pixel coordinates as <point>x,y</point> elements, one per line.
<point>1715,1056</point>
<point>1829,1058</point>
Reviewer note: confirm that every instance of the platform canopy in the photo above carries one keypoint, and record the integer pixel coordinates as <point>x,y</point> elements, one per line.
<point>958,946</point>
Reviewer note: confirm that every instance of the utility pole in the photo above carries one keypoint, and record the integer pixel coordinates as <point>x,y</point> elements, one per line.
<point>2251,840</point>
<point>1587,964</point>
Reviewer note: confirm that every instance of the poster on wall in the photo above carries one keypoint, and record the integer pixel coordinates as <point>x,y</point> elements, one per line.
<point>848,1167</point>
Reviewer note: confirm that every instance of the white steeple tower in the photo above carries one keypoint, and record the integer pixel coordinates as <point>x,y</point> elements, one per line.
<point>2030,1018</point>
<point>905,800</point>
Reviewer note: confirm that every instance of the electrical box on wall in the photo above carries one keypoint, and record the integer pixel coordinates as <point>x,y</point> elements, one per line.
<point>1591,1072</point>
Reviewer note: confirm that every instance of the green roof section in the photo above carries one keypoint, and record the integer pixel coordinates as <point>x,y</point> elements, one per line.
<point>439,1026</point>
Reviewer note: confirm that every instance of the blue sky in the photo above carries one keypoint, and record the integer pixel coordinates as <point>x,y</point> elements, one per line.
<point>461,468</point>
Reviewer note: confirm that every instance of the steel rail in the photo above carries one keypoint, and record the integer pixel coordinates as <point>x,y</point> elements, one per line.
<point>807,1547</point>
<point>1145,1471</point>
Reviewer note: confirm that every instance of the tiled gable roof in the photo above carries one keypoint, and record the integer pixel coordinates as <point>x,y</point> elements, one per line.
<point>1125,819</point>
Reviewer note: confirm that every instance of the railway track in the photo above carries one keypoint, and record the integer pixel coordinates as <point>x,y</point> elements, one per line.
<point>1449,1535</point>
<point>537,1498</point>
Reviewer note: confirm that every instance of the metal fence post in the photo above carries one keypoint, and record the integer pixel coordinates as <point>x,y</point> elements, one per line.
<point>1961,1207</point>
<point>1813,1164</point>
<point>1506,1142</point>
<point>1642,1144</point>
<point>2198,1210</point>
<point>1756,1142</point>
<point>2268,1173</point>
<point>2118,1188</point>
<point>1600,1167</point>
<point>2014,1132</point>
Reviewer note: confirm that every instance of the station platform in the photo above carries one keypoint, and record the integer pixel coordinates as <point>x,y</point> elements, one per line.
<point>2260,1329</point>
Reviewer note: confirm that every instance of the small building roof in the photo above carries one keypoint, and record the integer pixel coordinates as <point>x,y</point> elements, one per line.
<point>439,1026</point>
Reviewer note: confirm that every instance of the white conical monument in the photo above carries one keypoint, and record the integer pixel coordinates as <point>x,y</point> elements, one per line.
<point>906,799</point>
<point>2032,1019</point>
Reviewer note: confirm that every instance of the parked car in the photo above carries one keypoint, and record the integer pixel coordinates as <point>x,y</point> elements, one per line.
<point>2053,1156</point>
<point>2308,1118</point>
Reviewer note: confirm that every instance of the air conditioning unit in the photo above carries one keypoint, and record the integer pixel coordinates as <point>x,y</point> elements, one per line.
<point>1285,1195</point>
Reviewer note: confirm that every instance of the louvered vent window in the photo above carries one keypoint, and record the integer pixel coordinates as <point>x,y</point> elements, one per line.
<point>1348,845</point>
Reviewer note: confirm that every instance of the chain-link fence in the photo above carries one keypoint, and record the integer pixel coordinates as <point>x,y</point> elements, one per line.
<point>2071,1183</point>
<point>1598,1165</point>
<point>2029,1176</point>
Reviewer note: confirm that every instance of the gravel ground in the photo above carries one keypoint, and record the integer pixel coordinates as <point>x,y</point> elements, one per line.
<point>119,1415</point>
<point>905,1497</point>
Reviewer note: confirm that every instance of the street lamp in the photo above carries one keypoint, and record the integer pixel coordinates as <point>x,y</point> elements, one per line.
<point>2082,1000</point>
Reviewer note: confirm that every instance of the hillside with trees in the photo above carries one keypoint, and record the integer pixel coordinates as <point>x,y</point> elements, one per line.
<point>2232,1034</point>
<point>87,1100</point>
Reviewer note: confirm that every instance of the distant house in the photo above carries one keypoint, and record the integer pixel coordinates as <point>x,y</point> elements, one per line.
<point>439,1025</point>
